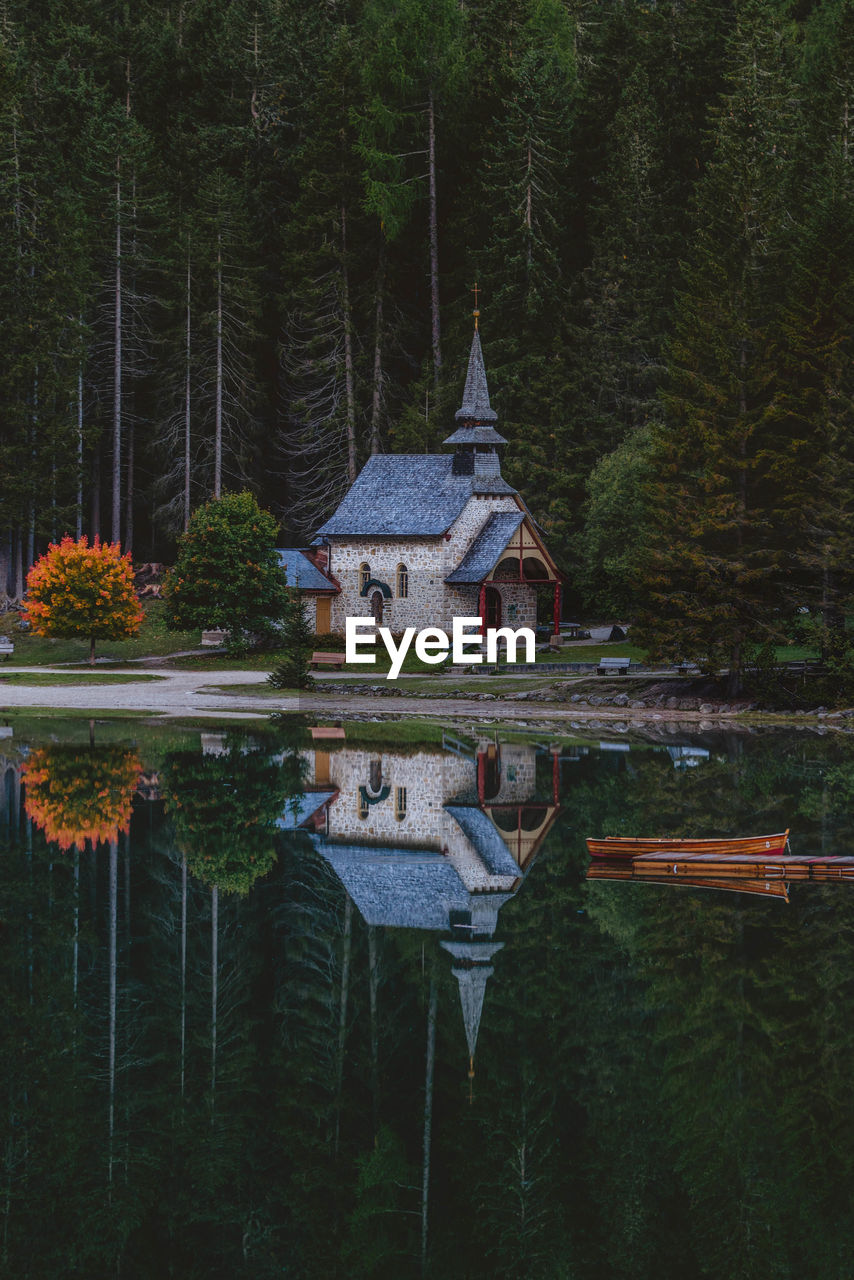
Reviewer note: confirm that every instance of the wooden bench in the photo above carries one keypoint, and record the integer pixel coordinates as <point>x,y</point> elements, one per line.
<point>336,660</point>
<point>613,666</point>
<point>7,647</point>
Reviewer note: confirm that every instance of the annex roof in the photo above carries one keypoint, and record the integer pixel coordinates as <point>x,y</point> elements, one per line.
<point>484,835</point>
<point>486,550</point>
<point>301,572</point>
<point>402,495</point>
<point>302,807</point>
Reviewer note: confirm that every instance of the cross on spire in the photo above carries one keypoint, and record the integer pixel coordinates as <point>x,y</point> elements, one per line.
<point>475,313</point>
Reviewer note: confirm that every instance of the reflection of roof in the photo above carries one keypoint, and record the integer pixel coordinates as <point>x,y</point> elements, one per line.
<point>480,830</point>
<point>485,552</point>
<point>472,972</point>
<point>300,572</point>
<point>403,495</point>
<point>302,807</point>
<point>402,888</point>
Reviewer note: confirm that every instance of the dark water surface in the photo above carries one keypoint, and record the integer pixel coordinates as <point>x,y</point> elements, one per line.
<point>271,1007</point>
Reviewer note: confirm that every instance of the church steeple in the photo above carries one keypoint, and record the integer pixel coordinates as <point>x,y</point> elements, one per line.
<point>475,406</point>
<point>475,438</point>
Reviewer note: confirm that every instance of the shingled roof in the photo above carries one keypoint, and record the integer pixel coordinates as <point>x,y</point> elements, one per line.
<point>486,550</point>
<point>401,888</point>
<point>301,572</point>
<point>486,838</point>
<point>402,495</point>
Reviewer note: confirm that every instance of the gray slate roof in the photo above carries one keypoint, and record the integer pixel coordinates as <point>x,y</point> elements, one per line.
<point>475,435</point>
<point>486,550</point>
<point>302,807</point>
<point>402,495</point>
<point>401,888</point>
<point>300,572</point>
<point>486,838</point>
<point>476,394</point>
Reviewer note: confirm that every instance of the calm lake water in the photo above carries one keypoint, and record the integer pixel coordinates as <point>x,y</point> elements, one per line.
<point>276,1008</point>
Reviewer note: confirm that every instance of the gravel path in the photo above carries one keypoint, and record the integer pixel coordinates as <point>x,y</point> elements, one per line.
<point>183,693</point>
<point>178,693</point>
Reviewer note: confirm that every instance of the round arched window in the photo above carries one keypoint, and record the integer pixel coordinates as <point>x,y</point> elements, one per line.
<point>402,581</point>
<point>364,576</point>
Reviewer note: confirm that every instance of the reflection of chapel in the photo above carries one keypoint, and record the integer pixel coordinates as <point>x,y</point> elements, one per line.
<point>422,538</point>
<point>433,841</point>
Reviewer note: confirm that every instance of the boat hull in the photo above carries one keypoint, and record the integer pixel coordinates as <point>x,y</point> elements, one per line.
<point>769,846</point>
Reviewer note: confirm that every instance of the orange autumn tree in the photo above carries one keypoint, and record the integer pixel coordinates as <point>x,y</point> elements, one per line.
<point>77,590</point>
<point>76,795</point>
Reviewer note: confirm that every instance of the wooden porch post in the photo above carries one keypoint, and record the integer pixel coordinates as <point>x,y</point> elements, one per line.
<point>481,608</point>
<point>557,609</point>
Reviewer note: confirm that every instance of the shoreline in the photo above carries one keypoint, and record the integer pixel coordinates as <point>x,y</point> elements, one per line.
<point>184,693</point>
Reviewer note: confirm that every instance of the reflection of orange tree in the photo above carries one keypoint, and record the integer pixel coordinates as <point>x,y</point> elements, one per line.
<point>76,794</point>
<point>224,810</point>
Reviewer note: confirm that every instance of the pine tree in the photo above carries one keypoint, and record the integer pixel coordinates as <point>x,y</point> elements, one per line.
<point>727,479</point>
<point>298,643</point>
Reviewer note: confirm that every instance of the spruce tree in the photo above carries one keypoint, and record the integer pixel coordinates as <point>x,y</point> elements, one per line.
<point>727,479</point>
<point>298,643</point>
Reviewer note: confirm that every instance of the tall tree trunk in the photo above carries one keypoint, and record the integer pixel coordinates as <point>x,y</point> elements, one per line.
<point>214,988</point>
<point>434,240</point>
<point>114,877</point>
<point>349,379</point>
<point>377,394</point>
<point>75,946</point>
<point>430,1063</point>
<point>218,409</point>
<point>375,1039</point>
<point>187,353</point>
<point>79,522</point>
<point>19,563</point>
<point>342,1015</point>
<point>128,543</point>
<point>95,510</point>
<point>183,968</point>
<point>115,527</point>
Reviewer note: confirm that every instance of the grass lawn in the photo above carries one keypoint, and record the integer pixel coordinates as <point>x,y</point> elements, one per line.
<point>74,678</point>
<point>153,640</point>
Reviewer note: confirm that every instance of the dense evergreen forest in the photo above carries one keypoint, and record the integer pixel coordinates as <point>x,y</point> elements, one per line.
<point>212,1067</point>
<point>240,241</point>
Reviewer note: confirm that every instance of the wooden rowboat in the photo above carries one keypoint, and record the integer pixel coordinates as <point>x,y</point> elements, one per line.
<point>742,846</point>
<point>624,872</point>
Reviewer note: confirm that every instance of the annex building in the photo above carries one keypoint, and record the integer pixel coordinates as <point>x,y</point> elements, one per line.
<point>422,538</point>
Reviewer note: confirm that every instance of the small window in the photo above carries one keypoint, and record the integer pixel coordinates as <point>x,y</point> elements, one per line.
<point>400,803</point>
<point>364,576</point>
<point>362,807</point>
<point>402,581</point>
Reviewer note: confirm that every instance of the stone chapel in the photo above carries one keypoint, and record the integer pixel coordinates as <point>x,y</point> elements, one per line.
<point>422,538</point>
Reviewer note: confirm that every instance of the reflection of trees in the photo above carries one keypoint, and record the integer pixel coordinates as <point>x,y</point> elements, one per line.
<point>77,794</point>
<point>662,1087</point>
<point>224,809</point>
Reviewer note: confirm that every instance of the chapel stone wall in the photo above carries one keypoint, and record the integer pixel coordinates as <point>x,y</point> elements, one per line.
<point>429,602</point>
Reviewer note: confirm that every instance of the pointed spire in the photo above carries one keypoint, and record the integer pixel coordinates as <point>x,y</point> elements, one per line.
<point>475,405</point>
<point>472,971</point>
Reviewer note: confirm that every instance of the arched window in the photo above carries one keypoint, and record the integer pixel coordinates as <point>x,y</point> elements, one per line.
<point>400,803</point>
<point>364,576</point>
<point>402,581</point>
<point>362,807</point>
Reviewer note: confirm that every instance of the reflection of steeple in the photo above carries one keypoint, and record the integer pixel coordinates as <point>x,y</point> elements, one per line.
<point>446,863</point>
<point>472,971</point>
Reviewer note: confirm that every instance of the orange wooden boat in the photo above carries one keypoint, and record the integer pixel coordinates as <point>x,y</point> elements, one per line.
<point>623,872</point>
<point>739,847</point>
